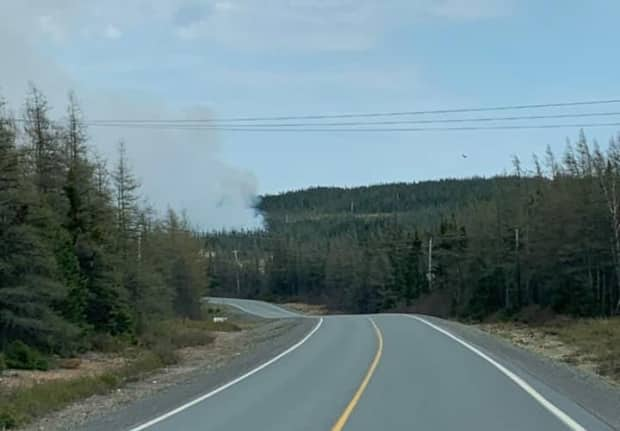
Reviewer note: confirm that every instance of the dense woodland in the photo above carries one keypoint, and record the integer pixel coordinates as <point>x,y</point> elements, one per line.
<point>548,237</point>
<point>81,258</point>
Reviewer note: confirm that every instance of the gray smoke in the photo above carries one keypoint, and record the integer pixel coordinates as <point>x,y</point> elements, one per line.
<point>181,169</point>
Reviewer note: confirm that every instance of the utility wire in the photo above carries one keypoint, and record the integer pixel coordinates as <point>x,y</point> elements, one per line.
<point>435,111</point>
<point>367,115</point>
<point>358,123</point>
<point>367,129</point>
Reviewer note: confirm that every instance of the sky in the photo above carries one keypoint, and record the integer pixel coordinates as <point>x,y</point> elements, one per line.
<point>210,59</point>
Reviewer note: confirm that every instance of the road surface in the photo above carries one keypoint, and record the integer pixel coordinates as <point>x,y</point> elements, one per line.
<point>381,372</point>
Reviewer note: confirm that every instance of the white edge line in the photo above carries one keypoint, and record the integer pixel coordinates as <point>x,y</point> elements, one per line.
<point>274,308</point>
<point>229,384</point>
<point>231,304</point>
<point>563,417</point>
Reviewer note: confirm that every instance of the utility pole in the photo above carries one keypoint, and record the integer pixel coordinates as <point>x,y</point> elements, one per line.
<point>236,254</point>
<point>518,267</point>
<point>429,274</point>
<point>140,246</point>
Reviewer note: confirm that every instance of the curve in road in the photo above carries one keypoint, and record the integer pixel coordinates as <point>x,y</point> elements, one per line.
<point>391,372</point>
<point>257,308</point>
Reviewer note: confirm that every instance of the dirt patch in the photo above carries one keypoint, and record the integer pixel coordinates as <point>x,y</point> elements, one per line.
<point>309,309</point>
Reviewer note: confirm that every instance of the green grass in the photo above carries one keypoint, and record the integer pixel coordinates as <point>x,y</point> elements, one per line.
<point>21,406</point>
<point>177,334</point>
<point>157,347</point>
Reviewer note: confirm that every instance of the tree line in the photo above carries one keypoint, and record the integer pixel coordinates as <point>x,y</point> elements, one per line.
<point>81,255</point>
<point>547,237</point>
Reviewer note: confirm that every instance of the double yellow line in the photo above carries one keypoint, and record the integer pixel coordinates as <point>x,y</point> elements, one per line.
<point>342,420</point>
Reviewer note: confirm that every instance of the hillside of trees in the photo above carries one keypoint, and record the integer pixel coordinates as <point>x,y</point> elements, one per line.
<point>81,258</point>
<point>548,237</point>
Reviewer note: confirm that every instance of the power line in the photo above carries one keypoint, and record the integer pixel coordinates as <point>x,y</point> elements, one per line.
<point>197,124</point>
<point>435,111</point>
<point>367,129</point>
<point>367,115</point>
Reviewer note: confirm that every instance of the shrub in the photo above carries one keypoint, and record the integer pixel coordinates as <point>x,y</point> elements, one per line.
<point>189,337</point>
<point>2,365</point>
<point>70,363</point>
<point>106,343</point>
<point>7,419</point>
<point>164,350</point>
<point>21,356</point>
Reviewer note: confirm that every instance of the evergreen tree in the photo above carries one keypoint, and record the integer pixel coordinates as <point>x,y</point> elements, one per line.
<point>28,288</point>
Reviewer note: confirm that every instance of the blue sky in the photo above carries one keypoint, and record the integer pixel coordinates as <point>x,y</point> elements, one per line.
<point>230,58</point>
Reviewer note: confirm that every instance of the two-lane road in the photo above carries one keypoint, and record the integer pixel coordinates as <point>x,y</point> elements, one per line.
<point>369,373</point>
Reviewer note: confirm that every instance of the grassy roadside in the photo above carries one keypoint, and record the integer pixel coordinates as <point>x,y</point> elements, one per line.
<point>157,348</point>
<point>589,344</point>
<point>308,309</point>
<point>596,339</point>
<point>19,406</point>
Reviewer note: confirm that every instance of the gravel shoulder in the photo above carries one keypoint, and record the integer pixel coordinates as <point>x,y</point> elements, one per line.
<point>202,369</point>
<point>588,390</point>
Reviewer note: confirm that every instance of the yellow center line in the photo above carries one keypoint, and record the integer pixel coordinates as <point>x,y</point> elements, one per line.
<point>342,421</point>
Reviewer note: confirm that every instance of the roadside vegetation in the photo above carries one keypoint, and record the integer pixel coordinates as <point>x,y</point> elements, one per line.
<point>309,309</point>
<point>597,339</point>
<point>537,249</point>
<point>592,344</point>
<point>157,347</point>
<point>85,265</point>
<point>545,236</point>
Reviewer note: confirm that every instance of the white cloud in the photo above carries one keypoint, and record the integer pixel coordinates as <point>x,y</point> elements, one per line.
<point>112,32</point>
<point>471,9</point>
<point>189,32</point>
<point>50,28</point>
<point>330,25</point>
<point>327,25</point>
<point>224,6</point>
<point>324,25</point>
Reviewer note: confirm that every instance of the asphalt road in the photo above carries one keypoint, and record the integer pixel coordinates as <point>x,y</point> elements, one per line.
<point>369,373</point>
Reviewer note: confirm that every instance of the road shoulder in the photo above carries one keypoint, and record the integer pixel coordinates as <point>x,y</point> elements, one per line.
<point>165,390</point>
<point>588,390</point>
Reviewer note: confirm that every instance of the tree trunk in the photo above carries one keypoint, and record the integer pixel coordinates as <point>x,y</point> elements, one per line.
<point>611,196</point>
<point>616,228</point>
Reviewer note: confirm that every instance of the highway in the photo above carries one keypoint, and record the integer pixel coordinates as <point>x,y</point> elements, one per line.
<point>380,372</point>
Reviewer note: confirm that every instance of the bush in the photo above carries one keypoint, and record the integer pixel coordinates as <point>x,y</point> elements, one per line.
<point>70,363</point>
<point>190,337</point>
<point>7,420</point>
<point>106,343</point>
<point>165,352</point>
<point>2,365</point>
<point>23,357</point>
<point>19,407</point>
